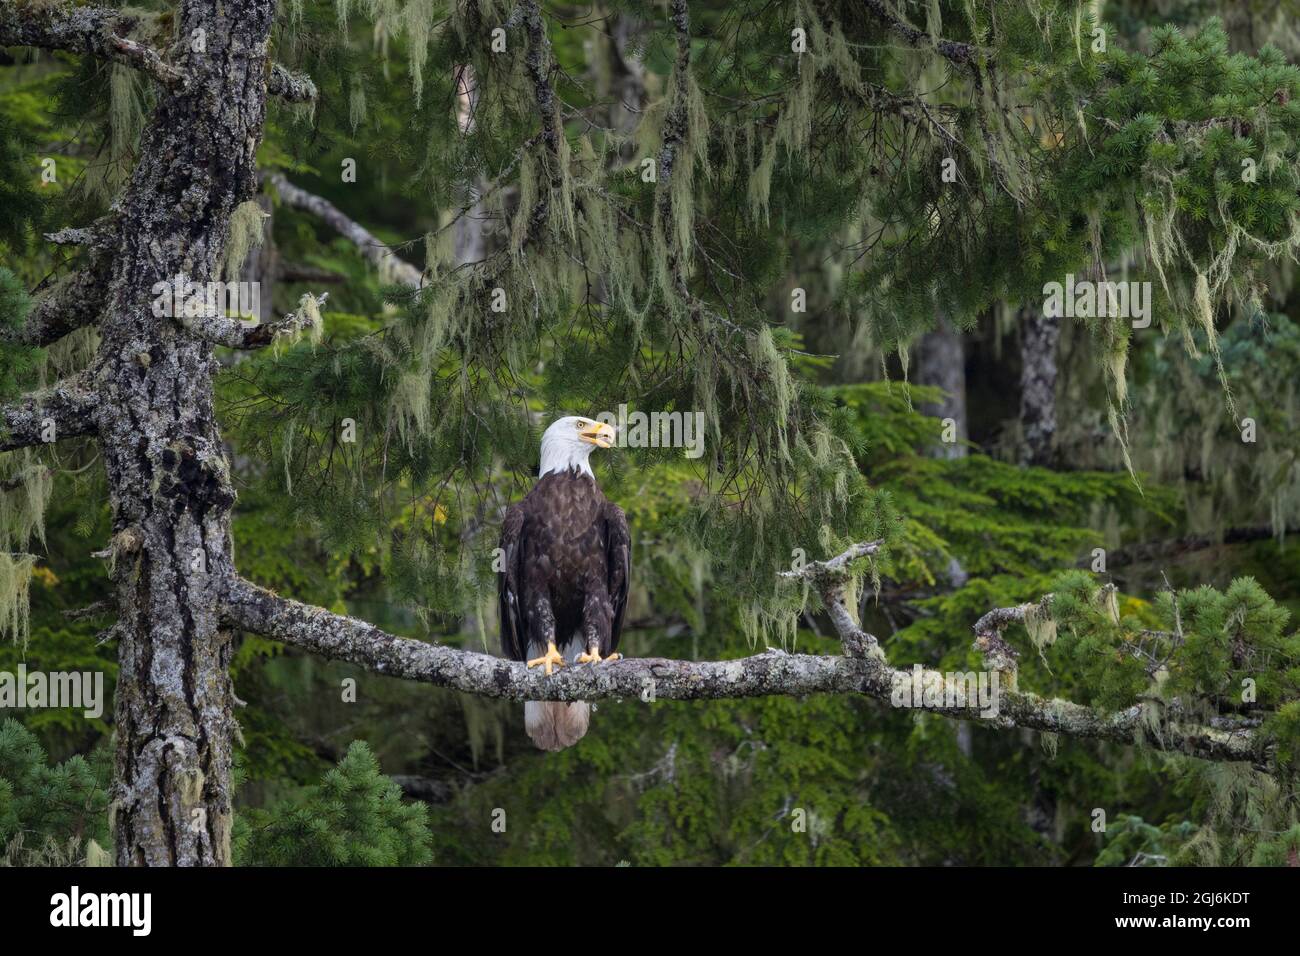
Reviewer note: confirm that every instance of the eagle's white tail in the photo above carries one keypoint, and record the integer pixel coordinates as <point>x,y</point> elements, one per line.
<point>556,724</point>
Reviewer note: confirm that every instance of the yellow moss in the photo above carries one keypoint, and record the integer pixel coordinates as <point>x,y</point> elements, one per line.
<point>15,585</point>
<point>96,855</point>
<point>126,120</point>
<point>419,18</point>
<point>246,233</point>
<point>1041,626</point>
<point>356,104</point>
<point>191,788</point>
<point>22,508</point>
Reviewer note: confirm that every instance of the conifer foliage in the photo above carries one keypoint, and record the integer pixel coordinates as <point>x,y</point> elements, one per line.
<point>634,206</point>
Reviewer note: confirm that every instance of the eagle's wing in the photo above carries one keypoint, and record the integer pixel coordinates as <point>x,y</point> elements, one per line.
<point>510,584</point>
<point>618,565</point>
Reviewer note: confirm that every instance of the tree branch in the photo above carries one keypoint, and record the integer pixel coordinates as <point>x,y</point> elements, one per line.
<point>98,31</point>
<point>334,636</point>
<point>60,412</point>
<point>94,235</point>
<point>961,54</point>
<point>290,86</point>
<point>69,304</point>
<point>303,272</point>
<point>830,579</point>
<point>220,329</point>
<point>372,249</point>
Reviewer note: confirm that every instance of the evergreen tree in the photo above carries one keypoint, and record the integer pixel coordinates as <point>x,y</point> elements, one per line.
<point>49,814</point>
<point>355,817</point>
<point>903,179</point>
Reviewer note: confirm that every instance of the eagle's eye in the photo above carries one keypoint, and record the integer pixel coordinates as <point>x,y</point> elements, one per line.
<point>581,425</point>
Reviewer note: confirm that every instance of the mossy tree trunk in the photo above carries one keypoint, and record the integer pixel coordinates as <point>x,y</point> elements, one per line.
<point>1039,335</point>
<point>169,480</point>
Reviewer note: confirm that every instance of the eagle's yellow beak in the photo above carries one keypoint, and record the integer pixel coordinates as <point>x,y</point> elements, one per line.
<point>599,434</point>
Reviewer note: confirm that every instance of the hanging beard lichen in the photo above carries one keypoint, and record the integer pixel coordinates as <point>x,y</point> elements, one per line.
<point>1108,601</point>
<point>309,308</point>
<point>246,233</point>
<point>418,20</point>
<point>25,486</point>
<point>1041,627</point>
<point>15,584</point>
<point>1050,742</point>
<point>356,104</point>
<point>769,357</point>
<point>125,121</point>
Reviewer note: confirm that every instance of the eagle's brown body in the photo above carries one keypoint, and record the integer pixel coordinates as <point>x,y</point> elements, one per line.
<point>567,555</point>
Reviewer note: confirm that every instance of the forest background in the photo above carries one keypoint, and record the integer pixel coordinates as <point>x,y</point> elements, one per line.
<point>1004,449</point>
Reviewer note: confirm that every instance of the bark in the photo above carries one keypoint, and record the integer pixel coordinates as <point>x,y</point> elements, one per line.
<point>957,53</point>
<point>626,80</point>
<point>220,329</point>
<point>1039,335</point>
<point>1166,549</point>
<point>289,86</point>
<point>169,482</point>
<point>941,361</point>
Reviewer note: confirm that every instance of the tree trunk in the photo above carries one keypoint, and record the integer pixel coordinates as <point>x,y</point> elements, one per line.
<point>169,480</point>
<point>626,80</point>
<point>941,361</point>
<point>1039,335</point>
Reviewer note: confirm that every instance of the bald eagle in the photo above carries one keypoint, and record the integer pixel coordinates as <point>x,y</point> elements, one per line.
<point>562,590</point>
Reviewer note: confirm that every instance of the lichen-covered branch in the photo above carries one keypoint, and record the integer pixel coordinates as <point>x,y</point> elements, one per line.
<point>69,304</point>
<point>96,234</point>
<point>391,268</point>
<point>537,63</point>
<point>290,86</point>
<point>961,54</point>
<point>674,136</point>
<point>99,31</point>
<point>830,577</point>
<point>234,333</point>
<point>837,566</point>
<point>63,411</point>
<point>255,609</point>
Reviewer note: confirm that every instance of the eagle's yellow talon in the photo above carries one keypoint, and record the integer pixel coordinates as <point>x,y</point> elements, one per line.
<point>595,658</point>
<point>551,658</point>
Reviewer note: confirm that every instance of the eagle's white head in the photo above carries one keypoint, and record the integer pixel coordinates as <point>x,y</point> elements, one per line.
<point>567,444</point>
